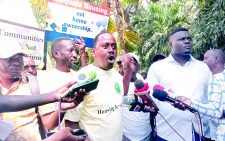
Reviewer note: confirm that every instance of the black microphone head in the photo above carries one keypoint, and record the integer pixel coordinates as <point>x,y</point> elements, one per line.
<point>139,84</point>
<point>160,95</point>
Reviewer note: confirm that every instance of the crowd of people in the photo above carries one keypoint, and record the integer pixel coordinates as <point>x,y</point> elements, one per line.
<point>33,101</point>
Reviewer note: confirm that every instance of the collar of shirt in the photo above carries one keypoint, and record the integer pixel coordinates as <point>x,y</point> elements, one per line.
<point>14,86</point>
<point>171,60</point>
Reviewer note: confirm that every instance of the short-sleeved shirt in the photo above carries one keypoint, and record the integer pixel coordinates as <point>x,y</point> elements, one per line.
<point>101,110</point>
<point>24,122</point>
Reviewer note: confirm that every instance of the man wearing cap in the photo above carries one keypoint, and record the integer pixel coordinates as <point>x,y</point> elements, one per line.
<point>14,83</point>
<point>136,125</point>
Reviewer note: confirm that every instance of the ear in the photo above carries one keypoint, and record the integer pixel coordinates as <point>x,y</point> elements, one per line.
<point>139,66</point>
<point>169,44</point>
<point>216,59</point>
<point>93,52</point>
<point>55,54</point>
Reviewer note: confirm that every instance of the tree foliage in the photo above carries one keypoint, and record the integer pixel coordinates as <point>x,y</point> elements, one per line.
<point>39,8</point>
<point>153,25</point>
<point>209,26</point>
<point>144,27</point>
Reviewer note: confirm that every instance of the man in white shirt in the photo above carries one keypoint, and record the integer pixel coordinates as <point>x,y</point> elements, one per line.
<point>136,125</point>
<point>64,52</point>
<point>186,76</point>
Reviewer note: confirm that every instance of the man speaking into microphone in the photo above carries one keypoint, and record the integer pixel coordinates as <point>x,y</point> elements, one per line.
<point>186,76</point>
<point>101,110</point>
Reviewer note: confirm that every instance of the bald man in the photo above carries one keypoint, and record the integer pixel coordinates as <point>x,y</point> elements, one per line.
<point>214,58</point>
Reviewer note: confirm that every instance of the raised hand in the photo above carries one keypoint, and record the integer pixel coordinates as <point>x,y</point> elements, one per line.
<point>80,44</point>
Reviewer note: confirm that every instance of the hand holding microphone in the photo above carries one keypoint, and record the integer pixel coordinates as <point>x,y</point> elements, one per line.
<point>88,82</point>
<point>182,102</point>
<point>75,93</point>
<point>162,95</point>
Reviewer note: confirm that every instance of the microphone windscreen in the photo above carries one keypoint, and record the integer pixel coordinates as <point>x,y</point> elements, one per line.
<point>139,84</point>
<point>92,74</point>
<point>159,87</point>
<point>85,77</point>
<point>160,95</point>
<point>82,76</point>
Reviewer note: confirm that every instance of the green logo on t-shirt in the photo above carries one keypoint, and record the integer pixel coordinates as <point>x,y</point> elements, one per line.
<point>117,88</point>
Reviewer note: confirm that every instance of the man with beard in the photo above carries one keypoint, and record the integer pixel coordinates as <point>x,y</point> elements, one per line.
<point>64,52</point>
<point>101,110</point>
<point>186,76</point>
<point>15,95</point>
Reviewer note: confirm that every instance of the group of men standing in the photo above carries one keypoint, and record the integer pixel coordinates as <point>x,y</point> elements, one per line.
<point>102,113</point>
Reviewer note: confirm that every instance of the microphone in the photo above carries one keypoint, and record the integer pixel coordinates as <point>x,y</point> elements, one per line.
<point>84,81</point>
<point>162,95</point>
<point>142,91</point>
<point>84,78</point>
<point>141,87</point>
<point>159,87</point>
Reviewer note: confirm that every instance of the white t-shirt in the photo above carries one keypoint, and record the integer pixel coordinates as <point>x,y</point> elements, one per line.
<point>50,80</point>
<point>189,80</point>
<point>136,125</point>
<point>101,110</point>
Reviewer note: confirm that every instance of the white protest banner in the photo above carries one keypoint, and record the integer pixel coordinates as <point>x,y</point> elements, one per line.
<point>31,39</point>
<point>74,18</point>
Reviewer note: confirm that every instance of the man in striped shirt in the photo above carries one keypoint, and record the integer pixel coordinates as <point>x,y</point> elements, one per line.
<point>213,110</point>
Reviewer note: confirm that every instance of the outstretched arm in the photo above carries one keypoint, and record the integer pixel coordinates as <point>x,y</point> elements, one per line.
<point>50,120</point>
<point>21,102</point>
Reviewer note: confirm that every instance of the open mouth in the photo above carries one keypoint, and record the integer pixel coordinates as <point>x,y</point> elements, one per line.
<point>111,58</point>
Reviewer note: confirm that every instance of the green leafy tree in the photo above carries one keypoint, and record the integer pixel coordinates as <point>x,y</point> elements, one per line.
<point>209,26</point>
<point>154,23</point>
<point>127,40</point>
<point>39,8</point>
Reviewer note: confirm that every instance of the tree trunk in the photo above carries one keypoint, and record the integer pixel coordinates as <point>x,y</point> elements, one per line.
<point>118,14</point>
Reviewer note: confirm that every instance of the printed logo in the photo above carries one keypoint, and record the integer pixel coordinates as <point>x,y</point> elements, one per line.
<point>117,88</point>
